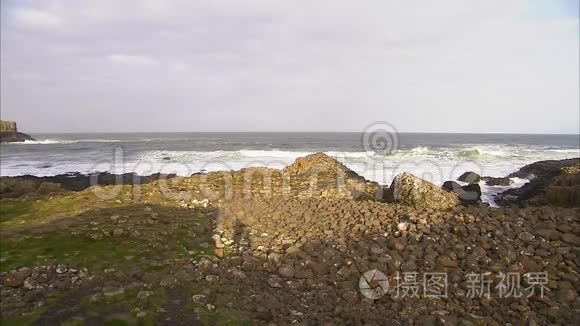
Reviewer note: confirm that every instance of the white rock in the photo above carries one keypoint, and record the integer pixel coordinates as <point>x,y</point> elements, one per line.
<point>402,226</point>
<point>198,298</point>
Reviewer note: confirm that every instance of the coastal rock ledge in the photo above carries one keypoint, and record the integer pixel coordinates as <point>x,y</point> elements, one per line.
<point>9,133</point>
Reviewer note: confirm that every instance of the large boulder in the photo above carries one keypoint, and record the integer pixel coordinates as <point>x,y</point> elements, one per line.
<point>468,194</point>
<point>451,186</point>
<point>469,177</point>
<point>471,193</point>
<point>410,190</point>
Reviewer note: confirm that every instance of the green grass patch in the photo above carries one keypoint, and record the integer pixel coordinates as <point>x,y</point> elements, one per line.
<point>73,244</point>
<point>77,250</point>
<point>31,211</point>
<point>23,320</point>
<point>11,208</point>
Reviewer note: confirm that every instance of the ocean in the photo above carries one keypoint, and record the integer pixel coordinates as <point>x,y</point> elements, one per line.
<point>435,157</point>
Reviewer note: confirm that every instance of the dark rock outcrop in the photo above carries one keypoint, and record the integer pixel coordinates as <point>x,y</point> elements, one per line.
<point>468,194</point>
<point>28,184</point>
<point>542,176</point>
<point>469,177</point>
<point>9,133</point>
<point>451,186</point>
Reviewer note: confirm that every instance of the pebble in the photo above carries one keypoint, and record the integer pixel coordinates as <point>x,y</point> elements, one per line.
<point>286,271</point>
<point>198,298</point>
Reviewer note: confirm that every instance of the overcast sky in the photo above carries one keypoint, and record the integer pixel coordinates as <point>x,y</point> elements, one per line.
<point>269,65</point>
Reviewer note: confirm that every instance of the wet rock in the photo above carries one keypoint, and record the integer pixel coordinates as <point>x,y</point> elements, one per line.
<point>468,194</point>
<point>493,181</point>
<point>543,175</point>
<point>451,186</point>
<point>469,177</point>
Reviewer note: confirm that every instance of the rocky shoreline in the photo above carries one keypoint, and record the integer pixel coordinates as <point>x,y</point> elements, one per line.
<point>269,246</point>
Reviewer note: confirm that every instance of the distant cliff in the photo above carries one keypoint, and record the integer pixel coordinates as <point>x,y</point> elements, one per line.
<point>9,133</point>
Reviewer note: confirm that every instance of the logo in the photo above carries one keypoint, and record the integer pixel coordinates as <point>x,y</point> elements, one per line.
<point>373,284</point>
<point>381,138</point>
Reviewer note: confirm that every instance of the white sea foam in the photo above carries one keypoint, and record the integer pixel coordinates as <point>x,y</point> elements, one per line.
<point>44,142</point>
<point>489,192</point>
<point>270,153</point>
<point>418,151</point>
<point>58,142</point>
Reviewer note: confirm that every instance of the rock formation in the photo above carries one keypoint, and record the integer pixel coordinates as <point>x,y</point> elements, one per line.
<point>493,181</point>
<point>9,133</point>
<point>320,163</point>
<point>12,187</point>
<point>469,194</point>
<point>469,177</point>
<point>565,188</point>
<point>551,182</point>
<point>412,191</point>
<point>330,173</point>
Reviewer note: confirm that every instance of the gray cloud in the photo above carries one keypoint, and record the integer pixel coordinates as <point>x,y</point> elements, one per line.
<point>451,66</point>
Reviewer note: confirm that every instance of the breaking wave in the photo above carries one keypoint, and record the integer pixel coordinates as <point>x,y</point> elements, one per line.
<point>44,142</point>
<point>60,142</point>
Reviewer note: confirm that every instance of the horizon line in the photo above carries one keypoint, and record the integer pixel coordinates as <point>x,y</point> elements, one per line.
<point>302,132</point>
